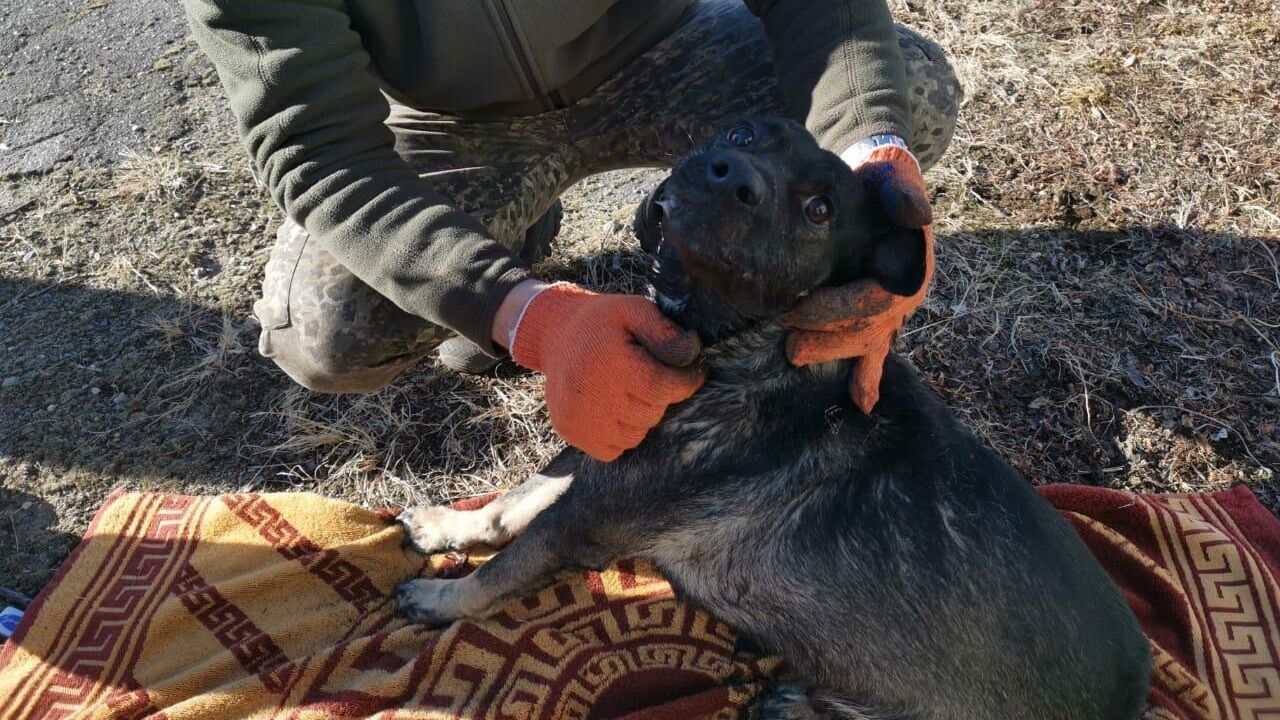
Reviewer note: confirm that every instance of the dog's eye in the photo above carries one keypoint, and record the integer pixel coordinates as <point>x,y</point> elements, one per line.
<point>741,135</point>
<point>818,210</point>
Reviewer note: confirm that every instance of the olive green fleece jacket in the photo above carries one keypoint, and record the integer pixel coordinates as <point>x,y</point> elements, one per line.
<point>306,80</point>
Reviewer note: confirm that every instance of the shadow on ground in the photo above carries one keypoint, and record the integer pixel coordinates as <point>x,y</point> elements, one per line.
<point>31,546</point>
<point>1088,326</point>
<point>102,388</point>
<point>121,383</point>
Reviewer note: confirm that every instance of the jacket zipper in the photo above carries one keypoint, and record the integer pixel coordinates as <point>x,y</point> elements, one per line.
<point>553,98</point>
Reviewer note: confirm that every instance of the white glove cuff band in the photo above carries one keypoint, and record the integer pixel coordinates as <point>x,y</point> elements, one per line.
<point>515,328</point>
<point>859,152</point>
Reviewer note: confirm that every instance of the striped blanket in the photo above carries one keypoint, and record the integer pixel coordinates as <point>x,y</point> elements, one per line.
<point>275,606</point>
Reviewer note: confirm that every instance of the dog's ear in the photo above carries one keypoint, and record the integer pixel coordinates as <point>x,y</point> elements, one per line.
<point>902,202</point>
<point>898,252</point>
<point>898,259</point>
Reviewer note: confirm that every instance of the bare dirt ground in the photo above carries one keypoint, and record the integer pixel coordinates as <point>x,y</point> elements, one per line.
<point>1107,309</point>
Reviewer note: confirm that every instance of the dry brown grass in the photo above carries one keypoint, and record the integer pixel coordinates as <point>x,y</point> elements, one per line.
<point>152,177</point>
<point>214,352</point>
<point>432,438</point>
<point>1109,298</point>
<point>1108,114</point>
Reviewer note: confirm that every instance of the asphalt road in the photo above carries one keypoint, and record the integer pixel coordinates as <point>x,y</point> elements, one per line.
<point>83,80</point>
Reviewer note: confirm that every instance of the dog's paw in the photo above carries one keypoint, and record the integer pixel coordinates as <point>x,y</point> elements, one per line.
<point>428,602</point>
<point>441,529</point>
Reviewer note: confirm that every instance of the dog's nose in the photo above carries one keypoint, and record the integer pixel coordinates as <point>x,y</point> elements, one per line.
<point>730,174</point>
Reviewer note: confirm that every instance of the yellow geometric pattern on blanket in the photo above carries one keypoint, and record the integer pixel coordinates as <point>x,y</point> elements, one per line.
<point>253,606</point>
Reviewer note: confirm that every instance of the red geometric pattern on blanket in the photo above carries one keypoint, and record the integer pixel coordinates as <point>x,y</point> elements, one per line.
<point>1200,572</point>
<point>1238,629</point>
<point>1170,675</point>
<point>559,654</point>
<point>132,705</point>
<point>82,668</point>
<point>347,580</point>
<point>254,649</point>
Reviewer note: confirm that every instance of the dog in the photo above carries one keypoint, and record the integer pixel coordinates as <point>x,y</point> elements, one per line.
<point>900,567</point>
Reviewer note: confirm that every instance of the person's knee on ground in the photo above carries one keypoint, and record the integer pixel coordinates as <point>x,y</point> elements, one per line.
<point>325,362</point>
<point>934,93</point>
<point>328,330</point>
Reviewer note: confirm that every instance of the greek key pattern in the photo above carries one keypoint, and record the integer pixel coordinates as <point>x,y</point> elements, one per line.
<point>132,705</point>
<point>109,624</point>
<point>254,649</point>
<point>551,656</point>
<point>348,581</point>
<point>1170,676</point>
<point>611,642</point>
<point>1232,598</point>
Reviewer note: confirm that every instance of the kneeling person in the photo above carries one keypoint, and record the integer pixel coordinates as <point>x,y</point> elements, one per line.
<point>419,150</point>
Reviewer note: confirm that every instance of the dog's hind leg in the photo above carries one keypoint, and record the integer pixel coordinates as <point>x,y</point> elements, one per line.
<point>441,528</point>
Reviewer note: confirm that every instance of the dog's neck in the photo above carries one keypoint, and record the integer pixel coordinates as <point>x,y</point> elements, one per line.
<point>715,322</point>
<point>739,348</point>
<point>706,310</point>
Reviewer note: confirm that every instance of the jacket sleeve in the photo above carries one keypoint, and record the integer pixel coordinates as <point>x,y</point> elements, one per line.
<point>311,114</point>
<point>840,67</point>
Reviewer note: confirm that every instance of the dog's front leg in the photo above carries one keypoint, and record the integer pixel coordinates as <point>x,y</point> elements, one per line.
<point>440,528</point>
<point>551,543</point>
<point>521,568</point>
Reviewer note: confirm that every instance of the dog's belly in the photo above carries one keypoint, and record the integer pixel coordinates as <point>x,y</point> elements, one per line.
<point>892,560</point>
<point>935,616</point>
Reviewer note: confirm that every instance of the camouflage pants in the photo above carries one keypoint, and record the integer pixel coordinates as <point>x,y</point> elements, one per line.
<point>332,333</point>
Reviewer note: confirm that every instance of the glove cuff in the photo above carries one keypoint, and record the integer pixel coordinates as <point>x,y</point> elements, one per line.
<point>861,152</point>
<point>545,310</point>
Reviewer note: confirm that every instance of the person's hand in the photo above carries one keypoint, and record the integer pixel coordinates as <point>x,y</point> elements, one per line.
<point>613,363</point>
<point>861,320</point>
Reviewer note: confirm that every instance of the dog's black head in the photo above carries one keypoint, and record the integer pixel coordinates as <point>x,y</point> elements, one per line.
<point>759,216</point>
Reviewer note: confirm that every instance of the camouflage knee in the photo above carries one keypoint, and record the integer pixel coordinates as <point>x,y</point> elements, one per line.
<point>328,330</point>
<point>934,93</point>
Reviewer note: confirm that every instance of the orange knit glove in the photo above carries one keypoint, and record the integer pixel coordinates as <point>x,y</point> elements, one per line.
<point>860,320</point>
<point>613,363</point>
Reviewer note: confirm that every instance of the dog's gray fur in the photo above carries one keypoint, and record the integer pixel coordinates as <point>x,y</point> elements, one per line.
<point>900,566</point>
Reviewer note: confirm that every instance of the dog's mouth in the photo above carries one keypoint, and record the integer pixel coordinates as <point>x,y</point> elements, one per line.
<point>680,261</point>
<point>668,278</point>
<point>663,208</point>
<point>693,254</point>
<point>692,279</point>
